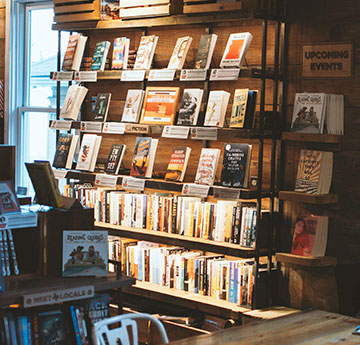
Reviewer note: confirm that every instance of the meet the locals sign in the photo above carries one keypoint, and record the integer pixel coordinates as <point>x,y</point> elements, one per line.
<point>327,60</point>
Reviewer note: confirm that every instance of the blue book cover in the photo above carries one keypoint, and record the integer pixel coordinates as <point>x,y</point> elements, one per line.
<point>75,325</point>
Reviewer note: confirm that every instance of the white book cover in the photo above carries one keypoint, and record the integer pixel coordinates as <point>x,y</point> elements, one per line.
<point>179,53</point>
<point>133,105</point>
<point>95,153</point>
<point>236,49</point>
<point>72,103</point>
<point>216,108</point>
<point>145,52</point>
<point>207,166</point>
<point>190,107</point>
<point>87,147</point>
<point>85,253</point>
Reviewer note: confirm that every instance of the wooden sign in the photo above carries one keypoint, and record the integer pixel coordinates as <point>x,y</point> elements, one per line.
<point>327,60</point>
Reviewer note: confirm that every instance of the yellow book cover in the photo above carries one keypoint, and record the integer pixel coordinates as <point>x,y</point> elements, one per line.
<point>239,108</point>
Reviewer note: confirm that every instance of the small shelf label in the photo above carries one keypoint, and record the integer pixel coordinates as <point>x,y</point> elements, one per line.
<point>59,174</point>
<point>114,128</point>
<point>193,74</point>
<point>106,180</point>
<point>133,75</point>
<point>224,74</point>
<point>226,193</point>
<point>63,76</point>
<point>19,220</point>
<point>92,127</point>
<point>194,189</point>
<point>201,133</point>
<point>162,74</point>
<point>136,128</point>
<point>85,76</point>
<point>133,183</point>
<point>61,125</point>
<point>175,132</point>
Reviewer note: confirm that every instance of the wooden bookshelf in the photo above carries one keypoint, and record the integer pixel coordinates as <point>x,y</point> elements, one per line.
<point>320,261</point>
<point>305,198</point>
<point>189,242</point>
<point>312,137</point>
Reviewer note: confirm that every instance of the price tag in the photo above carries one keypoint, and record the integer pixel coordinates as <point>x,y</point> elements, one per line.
<point>59,174</point>
<point>201,133</point>
<point>133,75</point>
<point>92,127</point>
<point>133,183</point>
<point>176,132</point>
<point>225,74</point>
<point>140,129</point>
<point>193,74</point>
<point>61,125</point>
<point>194,189</point>
<point>161,74</point>
<point>85,76</point>
<point>226,193</point>
<point>63,76</point>
<point>106,180</point>
<point>114,128</point>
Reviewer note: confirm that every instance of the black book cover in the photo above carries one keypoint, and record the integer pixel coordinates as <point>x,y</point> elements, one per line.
<point>62,150</point>
<point>113,160</point>
<point>101,106</point>
<point>52,327</point>
<point>203,52</point>
<point>250,109</point>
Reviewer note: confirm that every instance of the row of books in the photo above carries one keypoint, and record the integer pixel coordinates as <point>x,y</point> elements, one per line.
<point>70,324</point>
<point>234,54</point>
<point>8,260</point>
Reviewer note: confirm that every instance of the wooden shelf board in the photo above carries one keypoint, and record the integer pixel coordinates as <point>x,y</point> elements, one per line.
<point>270,312</point>
<point>297,260</point>
<point>187,299</point>
<point>312,137</point>
<point>179,240</point>
<point>309,198</point>
<point>17,286</point>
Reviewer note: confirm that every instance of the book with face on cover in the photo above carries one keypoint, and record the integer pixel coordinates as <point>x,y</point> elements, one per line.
<point>133,105</point>
<point>207,166</point>
<point>144,156</point>
<point>89,149</point>
<point>99,57</point>
<point>74,52</point>
<point>114,159</point>
<point>179,53</point>
<point>216,108</point>
<point>178,162</point>
<point>101,107</point>
<point>120,53</point>
<point>65,150</point>
<point>205,51</point>
<point>190,107</point>
<point>236,49</point>
<point>74,97</point>
<point>146,52</point>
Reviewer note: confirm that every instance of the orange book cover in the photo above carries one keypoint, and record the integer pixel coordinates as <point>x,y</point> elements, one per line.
<point>234,49</point>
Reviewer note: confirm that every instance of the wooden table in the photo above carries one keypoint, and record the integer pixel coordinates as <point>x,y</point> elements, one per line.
<point>310,328</point>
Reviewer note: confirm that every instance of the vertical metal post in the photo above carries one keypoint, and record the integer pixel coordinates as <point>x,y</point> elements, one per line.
<point>58,89</point>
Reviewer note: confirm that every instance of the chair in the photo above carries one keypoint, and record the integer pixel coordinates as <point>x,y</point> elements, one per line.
<point>120,333</point>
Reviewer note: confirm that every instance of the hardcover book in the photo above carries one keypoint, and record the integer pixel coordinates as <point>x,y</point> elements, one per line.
<point>74,52</point>
<point>236,49</point>
<point>236,165</point>
<point>160,105</point>
<point>120,53</point>
<point>99,57</point>
<point>178,163</point>
<point>101,107</point>
<point>65,150</point>
<point>133,104</point>
<point>216,108</point>
<point>242,114</point>
<point>207,166</point>
<point>144,156</point>
<point>52,327</point>
<point>114,159</point>
<point>145,52</point>
<point>190,107</point>
<point>205,51</point>
<point>179,53</point>
<point>85,253</point>
<point>72,103</point>
<point>89,149</point>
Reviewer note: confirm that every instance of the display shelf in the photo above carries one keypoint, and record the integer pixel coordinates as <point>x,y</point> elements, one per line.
<point>18,286</point>
<point>312,137</point>
<point>187,299</point>
<point>319,261</point>
<point>189,242</point>
<point>309,198</point>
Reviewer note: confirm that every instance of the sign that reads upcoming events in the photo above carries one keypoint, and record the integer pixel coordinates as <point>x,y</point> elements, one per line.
<point>327,60</point>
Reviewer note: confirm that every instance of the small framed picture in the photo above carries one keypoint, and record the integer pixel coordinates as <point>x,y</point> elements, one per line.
<point>8,200</point>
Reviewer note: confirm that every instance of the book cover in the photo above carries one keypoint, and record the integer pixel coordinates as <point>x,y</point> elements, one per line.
<point>179,53</point>
<point>70,52</point>
<point>207,166</point>
<point>236,49</point>
<point>120,53</point>
<point>65,150</point>
<point>308,173</point>
<point>85,253</point>
<point>72,103</point>
<point>205,51</point>
<point>239,108</point>
<point>109,9</point>
<point>177,164</point>
<point>113,161</point>
<point>141,156</point>
<point>145,52</point>
<point>101,107</point>
<point>216,108</point>
<point>160,105</point>
<point>99,57</point>
<point>133,104</point>
<point>190,107</point>
<point>86,152</point>
<point>235,165</point>
<point>8,201</point>
<point>52,327</point>
<point>309,113</point>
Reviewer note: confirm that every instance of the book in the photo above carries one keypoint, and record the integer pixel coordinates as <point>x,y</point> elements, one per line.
<point>145,52</point>
<point>101,107</point>
<point>133,105</point>
<point>236,48</point>
<point>72,103</point>
<point>144,157</point>
<point>236,165</point>
<point>99,57</point>
<point>314,172</point>
<point>190,107</point>
<point>177,165</point>
<point>160,105</point>
<point>310,236</point>
<point>74,53</point>
<point>243,108</point>
<point>205,51</point>
<point>109,9</point>
<point>89,149</point>
<point>309,113</point>
<point>85,253</point>
<point>216,108</point>
<point>65,150</point>
<point>206,170</point>
<point>114,159</point>
<point>179,53</point>
<point>120,53</point>
<point>52,327</point>
<point>9,202</point>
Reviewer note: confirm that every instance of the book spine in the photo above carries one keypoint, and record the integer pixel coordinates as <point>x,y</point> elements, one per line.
<point>13,253</point>
<point>6,253</point>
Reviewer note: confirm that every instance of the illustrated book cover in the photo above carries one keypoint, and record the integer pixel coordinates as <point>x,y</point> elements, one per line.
<point>207,166</point>
<point>190,107</point>
<point>145,52</point>
<point>236,49</point>
<point>243,108</point>
<point>99,57</point>
<point>179,53</point>
<point>101,107</point>
<point>216,108</point>
<point>109,9</point>
<point>74,52</point>
<point>89,149</point>
<point>144,156</point>
<point>120,53</point>
<point>178,162</point>
<point>205,51</point>
<point>65,150</point>
<point>114,159</point>
<point>74,97</point>
<point>133,105</point>
<point>9,203</point>
<point>52,327</point>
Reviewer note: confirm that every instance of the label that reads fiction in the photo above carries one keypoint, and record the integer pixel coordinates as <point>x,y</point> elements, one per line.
<point>225,74</point>
<point>202,133</point>
<point>91,127</point>
<point>114,128</point>
<point>63,76</point>
<point>161,74</point>
<point>193,74</point>
<point>61,125</point>
<point>194,189</point>
<point>133,75</point>
<point>226,193</point>
<point>57,296</point>
<point>85,76</point>
<point>133,183</point>
<point>175,132</point>
<point>106,180</point>
<point>59,174</point>
<point>136,128</point>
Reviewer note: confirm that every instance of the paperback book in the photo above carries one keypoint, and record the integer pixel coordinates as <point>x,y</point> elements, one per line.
<point>89,149</point>
<point>178,162</point>
<point>52,327</point>
<point>236,49</point>
<point>144,157</point>
<point>114,159</point>
<point>133,105</point>
<point>74,53</point>
<point>190,107</point>
<point>74,97</point>
<point>216,108</point>
<point>99,57</point>
<point>101,107</point>
<point>146,52</point>
<point>207,166</point>
<point>205,51</point>
<point>65,150</point>
<point>179,53</point>
<point>243,108</point>
<point>120,53</point>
